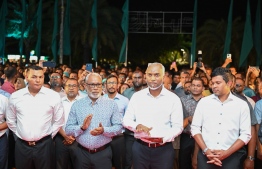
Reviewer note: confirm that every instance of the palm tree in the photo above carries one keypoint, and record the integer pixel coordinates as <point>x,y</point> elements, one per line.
<point>211,39</point>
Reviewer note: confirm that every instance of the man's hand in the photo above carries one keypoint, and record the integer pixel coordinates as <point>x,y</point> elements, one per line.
<point>68,140</point>
<point>141,128</point>
<point>189,119</point>
<point>97,131</point>
<point>213,158</point>
<point>194,161</point>
<point>248,164</point>
<point>194,65</point>
<point>87,121</point>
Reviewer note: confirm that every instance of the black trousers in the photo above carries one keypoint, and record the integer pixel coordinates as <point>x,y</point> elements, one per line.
<point>40,156</point>
<point>153,158</point>
<point>258,162</point>
<point>129,141</point>
<point>3,151</point>
<point>99,160</point>
<point>187,144</point>
<point>118,151</point>
<point>66,155</point>
<point>235,161</point>
<point>11,150</point>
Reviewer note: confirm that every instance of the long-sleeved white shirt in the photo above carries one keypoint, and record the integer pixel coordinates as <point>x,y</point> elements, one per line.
<point>221,124</point>
<point>34,117</point>
<point>163,113</point>
<point>3,105</point>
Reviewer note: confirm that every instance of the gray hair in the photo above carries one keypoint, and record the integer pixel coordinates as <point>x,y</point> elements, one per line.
<point>93,74</point>
<point>157,64</point>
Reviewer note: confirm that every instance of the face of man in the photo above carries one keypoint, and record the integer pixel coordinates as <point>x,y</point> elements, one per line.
<point>71,88</point>
<point>184,78</point>
<point>239,86</point>
<point>187,88</point>
<point>167,82</point>
<point>103,75</point>
<point>219,86</point>
<point>55,80</point>
<point>59,71</point>
<point>196,88</point>
<point>154,77</point>
<point>73,75</point>
<point>137,79</point>
<point>121,78</point>
<point>111,85</point>
<point>176,79</point>
<point>94,87</point>
<point>124,70</point>
<point>68,70</point>
<point>35,79</point>
<point>130,82</point>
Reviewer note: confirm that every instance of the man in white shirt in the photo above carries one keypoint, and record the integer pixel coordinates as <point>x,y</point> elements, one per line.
<point>66,145</point>
<point>3,135</point>
<point>221,125</point>
<point>56,82</point>
<point>156,117</point>
<point>118,142</point>
<point>35,114</point>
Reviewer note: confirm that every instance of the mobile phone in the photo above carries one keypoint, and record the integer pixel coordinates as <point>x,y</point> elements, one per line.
<point>229,56</point>
<point>89,67</point>
<point>49,64</point>
<point>199,58</point>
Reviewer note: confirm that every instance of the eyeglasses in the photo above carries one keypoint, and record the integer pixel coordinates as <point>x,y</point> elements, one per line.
<point>111,83</point>
<point>70,85</point>
<point>92,85</point>
<point>55,77</point>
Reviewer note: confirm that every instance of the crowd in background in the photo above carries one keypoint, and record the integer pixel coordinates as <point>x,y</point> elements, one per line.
<point>130,80</point>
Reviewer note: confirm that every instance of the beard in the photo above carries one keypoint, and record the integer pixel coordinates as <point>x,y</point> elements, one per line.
<point>55,85</point>
<point>95,96</point>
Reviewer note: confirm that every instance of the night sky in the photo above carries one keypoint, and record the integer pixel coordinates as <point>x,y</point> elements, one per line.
<point>207,9</point>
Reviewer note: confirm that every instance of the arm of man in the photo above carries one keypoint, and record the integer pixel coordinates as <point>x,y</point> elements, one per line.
<point>58,117</point>
<point>259,145</point>
<point>4,103</point>
<point>116,122</point>
<point>129,117</point>
<point>11,118</point>
<point>176,121</point>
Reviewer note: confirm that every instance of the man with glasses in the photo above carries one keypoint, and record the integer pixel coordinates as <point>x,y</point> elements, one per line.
<point>118,142</point>
<point>56,83</point>
<point>65,144</point>
<point>93,121</point>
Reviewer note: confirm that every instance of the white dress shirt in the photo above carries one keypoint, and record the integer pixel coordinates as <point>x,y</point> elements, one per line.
<point>222,123</point>
<point>3,106</point>
<point>163,113</point>
<point>34,117</point>
<point>67,106</point>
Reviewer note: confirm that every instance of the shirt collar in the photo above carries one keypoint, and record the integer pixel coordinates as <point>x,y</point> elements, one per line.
<point>163,92</point>
<point>26,90</point>
<point>230,97</point>
<point>66,99</point>
<point>90,102</point>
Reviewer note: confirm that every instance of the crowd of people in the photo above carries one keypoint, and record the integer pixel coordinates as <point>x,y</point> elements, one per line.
<point>153,118</point>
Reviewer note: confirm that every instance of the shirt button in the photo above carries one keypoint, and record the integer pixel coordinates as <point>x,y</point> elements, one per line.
<point>219,123</point>
<point>220,113</point>
<point>217,143</point>
<point>218,133</point>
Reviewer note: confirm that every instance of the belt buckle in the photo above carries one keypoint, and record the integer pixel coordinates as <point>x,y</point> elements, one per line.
<point>31,143</point>
<point>152,145</point>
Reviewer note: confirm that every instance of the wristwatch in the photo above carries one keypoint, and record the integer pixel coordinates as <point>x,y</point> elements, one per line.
<point>251,158</point>
<point>204,151</point>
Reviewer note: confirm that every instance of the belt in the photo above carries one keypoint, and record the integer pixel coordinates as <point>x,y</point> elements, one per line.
<point>94,150</point>
<point>151,145</point>
<point>119,135</point>
<point>33,143</point>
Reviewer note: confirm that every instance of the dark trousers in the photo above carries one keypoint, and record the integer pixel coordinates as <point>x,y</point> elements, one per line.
<point>11,150</point>
<point>129,141</point>
<point>153,158</point>
<point>66,155</point>
<point>235,161</point>
<point>258,162</point>
<point>187,144</point>
<point>39,156</point>
<point>99,160</point>
<point>118,151</point>
<point>3,151</point>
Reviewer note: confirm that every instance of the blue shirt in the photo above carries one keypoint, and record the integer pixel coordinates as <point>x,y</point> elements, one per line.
<point>121,102</point>
<point>4,93</point>
<point>258,111</point>
<point>104,111</point>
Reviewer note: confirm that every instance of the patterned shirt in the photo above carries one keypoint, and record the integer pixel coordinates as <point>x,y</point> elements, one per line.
<point>104,111</point>
<point>189,106</point>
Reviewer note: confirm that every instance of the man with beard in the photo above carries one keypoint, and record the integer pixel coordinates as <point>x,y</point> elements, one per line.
<point>156,117</point>
<point>137,78</point>
<point>221,125</point>
<point>65,144</point>
<point>118,142</point>
<point>93,121</point>
<point>56,83</point>
<point>189,103</point>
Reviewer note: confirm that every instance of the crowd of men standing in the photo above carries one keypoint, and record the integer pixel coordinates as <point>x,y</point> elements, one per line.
<point>72,120</point>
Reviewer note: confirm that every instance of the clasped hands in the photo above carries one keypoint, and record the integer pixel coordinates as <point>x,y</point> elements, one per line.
<point>216,156</point>
<point>96,131</point>
<point>141,128</point>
